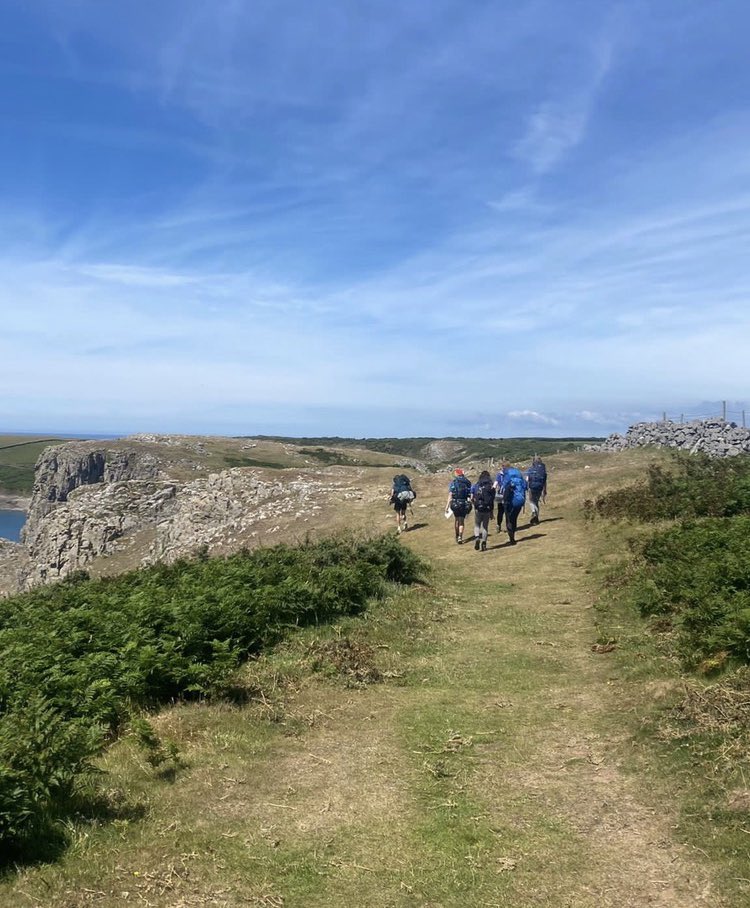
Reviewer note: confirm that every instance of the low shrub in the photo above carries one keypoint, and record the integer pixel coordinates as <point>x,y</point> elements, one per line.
<point>696,575</point>
<point>78,658</point>
<point>689,486</point>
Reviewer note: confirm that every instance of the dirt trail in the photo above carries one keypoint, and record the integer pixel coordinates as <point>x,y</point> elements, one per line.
<point>492,773</point>
<point>515,686</point>
<point>562,704</point>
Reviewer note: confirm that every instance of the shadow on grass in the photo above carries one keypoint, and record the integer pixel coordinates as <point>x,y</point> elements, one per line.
<point>531,536</point>
<point>48,840</point>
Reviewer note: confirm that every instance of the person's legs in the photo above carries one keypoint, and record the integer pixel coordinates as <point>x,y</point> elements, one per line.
<point>459,512</point>
<point>534,503</point>
<point>477,528</point>
<point>500,510</point>
<point>485,529</point>
<point>511,520</point>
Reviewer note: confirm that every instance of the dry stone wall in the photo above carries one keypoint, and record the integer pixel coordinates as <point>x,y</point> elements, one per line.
<point>715,437</point>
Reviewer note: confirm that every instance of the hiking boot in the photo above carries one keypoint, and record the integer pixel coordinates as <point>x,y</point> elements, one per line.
<point>406,526</point>
<point>476,545</point>
<point>460,540</point>
<point>484,546</point>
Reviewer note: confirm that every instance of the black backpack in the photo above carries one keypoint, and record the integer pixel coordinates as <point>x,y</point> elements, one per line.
<point>484,497</point>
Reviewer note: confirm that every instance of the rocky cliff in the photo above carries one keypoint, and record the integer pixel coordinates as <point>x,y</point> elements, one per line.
<point>63,468</point>
<point>113,506</point>
<point>715,437</point>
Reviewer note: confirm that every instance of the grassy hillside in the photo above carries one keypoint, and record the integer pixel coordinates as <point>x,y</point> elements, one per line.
<point>18,455</point>
<point>79,657</point>
<point>514,449</point>
<point>474,741</point>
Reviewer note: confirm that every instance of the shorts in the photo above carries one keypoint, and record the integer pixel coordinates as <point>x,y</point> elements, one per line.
<point>460,508</point>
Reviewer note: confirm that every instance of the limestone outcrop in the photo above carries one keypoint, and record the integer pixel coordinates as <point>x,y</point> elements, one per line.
<point>63,468</point>
<point>89,524</point>
<point>14,561</point>
<point>228,510</point>
<point>715,437</point>
<point>117,505</point>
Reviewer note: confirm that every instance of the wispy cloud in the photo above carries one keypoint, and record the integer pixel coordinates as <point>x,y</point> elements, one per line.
<point>559,123</point>
<point>250,209</point>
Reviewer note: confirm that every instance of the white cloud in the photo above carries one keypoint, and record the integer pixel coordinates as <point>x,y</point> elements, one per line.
<point>135,276</point>
<point>532,416</point>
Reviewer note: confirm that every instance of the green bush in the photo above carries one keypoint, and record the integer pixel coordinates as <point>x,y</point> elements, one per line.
<point>695,578</point>
<point>690,486</point>
<point>77,658</point>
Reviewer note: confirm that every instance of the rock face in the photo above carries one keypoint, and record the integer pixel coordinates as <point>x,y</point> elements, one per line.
<point>14,561</point>
<point>227,510</point>
<point>88,525</point>
<point>94,501</point>
<point>63,468</point>
<point>715,437</point>
<point>443,450</point>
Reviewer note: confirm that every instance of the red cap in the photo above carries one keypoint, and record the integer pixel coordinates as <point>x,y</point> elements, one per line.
<point>458,471</point>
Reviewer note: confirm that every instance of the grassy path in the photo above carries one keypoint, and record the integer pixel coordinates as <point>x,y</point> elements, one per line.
<point>489,769</point>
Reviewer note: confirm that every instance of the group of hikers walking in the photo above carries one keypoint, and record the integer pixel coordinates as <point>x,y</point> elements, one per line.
<point>503,498</point>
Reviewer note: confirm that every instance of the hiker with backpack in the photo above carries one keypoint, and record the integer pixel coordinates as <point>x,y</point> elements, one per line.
<point>514,498</point>
<point>401,498</point>
<point>536,478</point>
<point>497,485</point>
<point>483,499</point>
<point>459,502</point>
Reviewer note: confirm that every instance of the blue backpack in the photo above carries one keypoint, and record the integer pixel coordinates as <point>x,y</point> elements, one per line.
<point>514,488</point>
<point>402,490</point>
<point>460,488</point>
<point>537,474</point>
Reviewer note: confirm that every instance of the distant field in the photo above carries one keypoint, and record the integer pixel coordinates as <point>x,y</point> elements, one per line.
<point>470,448</point>
<point>18,455</point>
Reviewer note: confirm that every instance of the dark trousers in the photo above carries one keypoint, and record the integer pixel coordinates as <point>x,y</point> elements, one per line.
<point>511,519</point>
<point>500,508</point>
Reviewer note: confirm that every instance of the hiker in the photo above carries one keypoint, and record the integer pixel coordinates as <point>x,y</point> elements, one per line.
<point>514,498</point>
<point>458,502</point>
<point>401,498</point>
<point>536,479</point>
<point>497,485</point>
<point>483,499</point>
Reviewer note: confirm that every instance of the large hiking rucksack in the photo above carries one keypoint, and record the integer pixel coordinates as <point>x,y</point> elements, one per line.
<point>402,490</point>
<point>537,474</point>
<point>484,496</point>
<point>514,489</point>
<point>460,488</point>
<point>509,489</point>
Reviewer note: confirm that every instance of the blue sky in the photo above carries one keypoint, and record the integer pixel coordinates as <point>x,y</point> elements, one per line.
<point>372,217</point>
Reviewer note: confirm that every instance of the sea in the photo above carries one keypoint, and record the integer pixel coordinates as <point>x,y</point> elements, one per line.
<point>11,524</point>
<point>12,521</point>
